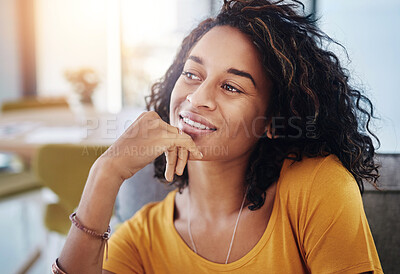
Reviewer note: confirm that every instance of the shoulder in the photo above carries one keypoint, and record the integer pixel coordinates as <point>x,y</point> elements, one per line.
<point>316,183</point>
<point>132,241</point>
<point>323,204</point>
<point>317,173</point>
<point>316,166</point>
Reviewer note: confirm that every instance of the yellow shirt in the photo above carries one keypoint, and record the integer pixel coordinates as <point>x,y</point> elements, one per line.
<point>317,225</point>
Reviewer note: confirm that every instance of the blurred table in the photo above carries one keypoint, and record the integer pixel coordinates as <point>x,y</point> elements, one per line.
<point>23,131</point>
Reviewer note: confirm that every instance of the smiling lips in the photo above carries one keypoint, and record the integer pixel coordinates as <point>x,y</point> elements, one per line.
<point>194,124</point>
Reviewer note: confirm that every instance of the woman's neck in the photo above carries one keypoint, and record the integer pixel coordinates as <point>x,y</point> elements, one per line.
<point>216,188</point>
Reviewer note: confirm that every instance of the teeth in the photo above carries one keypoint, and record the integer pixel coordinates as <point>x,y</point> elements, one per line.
<point>194,124</point>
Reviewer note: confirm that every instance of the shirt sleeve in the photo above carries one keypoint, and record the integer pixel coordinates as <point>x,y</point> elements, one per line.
<point>336,234</point>
<point>123,254</point>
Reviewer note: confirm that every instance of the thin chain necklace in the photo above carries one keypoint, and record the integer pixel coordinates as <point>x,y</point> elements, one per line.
<point>234,230</point>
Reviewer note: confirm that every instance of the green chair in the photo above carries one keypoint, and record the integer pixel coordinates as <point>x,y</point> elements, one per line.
<point>64,169</point>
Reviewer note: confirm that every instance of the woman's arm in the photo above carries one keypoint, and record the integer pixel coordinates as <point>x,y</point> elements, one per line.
<point>147,138</point>
<point>83,253</point>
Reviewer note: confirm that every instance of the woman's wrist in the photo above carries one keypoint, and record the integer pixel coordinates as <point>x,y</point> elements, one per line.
<point>98,197</point>
<point>113,168</point>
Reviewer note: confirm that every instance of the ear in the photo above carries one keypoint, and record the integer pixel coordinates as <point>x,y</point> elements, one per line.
<point>269,131</point>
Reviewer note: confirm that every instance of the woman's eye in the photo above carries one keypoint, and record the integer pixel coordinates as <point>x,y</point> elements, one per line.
<point>190,75</point>
<point>231,88</point>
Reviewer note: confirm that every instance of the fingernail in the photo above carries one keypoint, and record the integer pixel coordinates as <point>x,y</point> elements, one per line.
<point>196,153</point>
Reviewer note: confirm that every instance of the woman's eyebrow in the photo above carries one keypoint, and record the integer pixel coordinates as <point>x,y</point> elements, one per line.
<point>242,73</point>
<point>196,59</point>
<point>234,71</point>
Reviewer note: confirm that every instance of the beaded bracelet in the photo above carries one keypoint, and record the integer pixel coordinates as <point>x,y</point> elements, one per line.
<point>75,221</point>
<point>55,269</point>
<point>104,236</point>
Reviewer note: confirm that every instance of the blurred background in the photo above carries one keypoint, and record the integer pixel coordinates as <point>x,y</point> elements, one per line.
<point>76,72</point>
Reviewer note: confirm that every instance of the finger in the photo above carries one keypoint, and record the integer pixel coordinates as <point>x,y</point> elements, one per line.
<point>171,156</point>
<point>185,141</point>
<point>182,160</point>
<point>195,156</point>
<point>177,137</point>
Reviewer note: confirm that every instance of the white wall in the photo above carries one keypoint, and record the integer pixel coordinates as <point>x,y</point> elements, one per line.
<point>10,75</point>
<point>370,32</point>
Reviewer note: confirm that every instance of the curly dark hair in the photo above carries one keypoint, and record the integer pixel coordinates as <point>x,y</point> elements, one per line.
<point>321,112</point>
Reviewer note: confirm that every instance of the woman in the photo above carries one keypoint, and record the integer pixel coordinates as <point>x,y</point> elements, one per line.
<point>269,145</point>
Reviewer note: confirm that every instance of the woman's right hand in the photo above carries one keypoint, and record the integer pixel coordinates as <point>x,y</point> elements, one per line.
<point>143,141</point>
<point>147,138</point>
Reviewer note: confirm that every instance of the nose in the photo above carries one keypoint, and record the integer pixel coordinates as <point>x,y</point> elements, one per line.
<point>203,96</point>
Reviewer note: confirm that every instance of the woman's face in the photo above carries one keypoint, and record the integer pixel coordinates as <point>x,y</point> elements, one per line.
<point>221,98</point>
